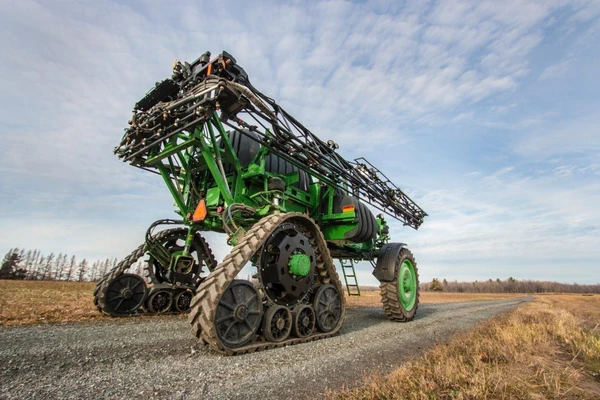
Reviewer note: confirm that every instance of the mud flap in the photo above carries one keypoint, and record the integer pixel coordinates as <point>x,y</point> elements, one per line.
<point>386,261</point>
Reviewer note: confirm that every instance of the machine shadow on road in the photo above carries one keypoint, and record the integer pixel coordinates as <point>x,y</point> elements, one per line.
<point>368,317</point>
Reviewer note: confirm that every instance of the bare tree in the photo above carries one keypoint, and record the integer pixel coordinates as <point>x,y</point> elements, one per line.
<point>105,267</point>
<point>39,268</point>
<point>48,267</point>
<point>71,268</point>
<point>81,270</point>
<point>512,285</point>
<point>55,273</point>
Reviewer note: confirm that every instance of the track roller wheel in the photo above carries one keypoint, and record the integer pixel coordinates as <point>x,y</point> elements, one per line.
<point>303,318</point>
<point>182,300</point>
<point>327,305</point>
<point>400,297</point>
<point>277,323</point>
<point>125,295</point>
<point>239,314</point>
<point>160,301</point>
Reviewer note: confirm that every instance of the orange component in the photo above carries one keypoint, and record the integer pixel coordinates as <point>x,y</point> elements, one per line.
<point>200,212</point>
<point>348,209</point>
<point>209,69</point>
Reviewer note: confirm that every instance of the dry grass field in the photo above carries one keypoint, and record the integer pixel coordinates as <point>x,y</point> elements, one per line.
<point>35,302</point>
<point>45,302</point>
<point>42,302</point>
<point>547,349</point>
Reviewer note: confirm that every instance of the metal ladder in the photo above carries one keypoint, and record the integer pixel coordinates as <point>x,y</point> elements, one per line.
<point>350,276</point>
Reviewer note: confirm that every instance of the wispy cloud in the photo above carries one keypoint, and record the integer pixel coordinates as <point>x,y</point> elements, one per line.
<point>432,91</point>
<point>556,70</point>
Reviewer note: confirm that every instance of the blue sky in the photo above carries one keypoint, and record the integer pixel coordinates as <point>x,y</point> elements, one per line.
<point>487,113</point>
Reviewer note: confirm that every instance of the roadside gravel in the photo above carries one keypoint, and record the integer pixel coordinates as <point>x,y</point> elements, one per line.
<point>158,358</point>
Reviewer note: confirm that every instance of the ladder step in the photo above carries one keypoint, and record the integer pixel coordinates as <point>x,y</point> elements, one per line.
<point>349,273</point>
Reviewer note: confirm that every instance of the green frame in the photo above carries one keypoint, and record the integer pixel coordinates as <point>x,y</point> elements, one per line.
<point>192,163</point>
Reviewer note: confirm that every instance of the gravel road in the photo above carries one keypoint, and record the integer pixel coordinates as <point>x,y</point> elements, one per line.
<point>157,358</point>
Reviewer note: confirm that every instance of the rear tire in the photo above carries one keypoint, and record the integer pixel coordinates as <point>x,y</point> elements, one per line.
<point>400,297</point>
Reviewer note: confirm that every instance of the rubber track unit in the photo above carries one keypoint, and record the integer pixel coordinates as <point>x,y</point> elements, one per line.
<point>209,258</point>
<point>204,304</point>
<point>389,293</point>
<point>120,268</point>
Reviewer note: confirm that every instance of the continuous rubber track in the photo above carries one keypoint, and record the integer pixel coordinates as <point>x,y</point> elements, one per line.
<point>204,304</point>
<point>121,267</point>
<point>156,357</point>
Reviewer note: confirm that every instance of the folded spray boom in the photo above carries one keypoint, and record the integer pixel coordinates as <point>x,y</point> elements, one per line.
<point>196,90</point>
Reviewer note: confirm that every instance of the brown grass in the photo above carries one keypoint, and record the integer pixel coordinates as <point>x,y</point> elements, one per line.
<point>549,348</point>
<point>41,302</point>
<point>45,302</point>
<point>35,302</point>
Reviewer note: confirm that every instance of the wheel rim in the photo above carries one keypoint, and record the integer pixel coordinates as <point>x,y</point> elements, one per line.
<point>239,314</point>
<point>327,308</point>
<point>304,321</point>
<point>278,323</point>
<point>183,300</point>
<point>160,301</point>
<point>125,294</point>
<point>407,285</point>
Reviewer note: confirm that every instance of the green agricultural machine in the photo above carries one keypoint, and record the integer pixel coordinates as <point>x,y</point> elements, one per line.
<point>237,163</point>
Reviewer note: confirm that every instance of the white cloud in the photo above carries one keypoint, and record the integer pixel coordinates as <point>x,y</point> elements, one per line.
<point>371,76</point>
<point>556,70</point>
<point>578,136</point>
<point>510,229</point>
<point>564,170</point>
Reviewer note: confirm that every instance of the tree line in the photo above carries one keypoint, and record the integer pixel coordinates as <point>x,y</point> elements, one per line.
<point>510,285</point>
<point>34,265</point>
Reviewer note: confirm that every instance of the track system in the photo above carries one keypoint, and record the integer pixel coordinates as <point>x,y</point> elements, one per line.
<point>120,294</point>
<point>209,324</point>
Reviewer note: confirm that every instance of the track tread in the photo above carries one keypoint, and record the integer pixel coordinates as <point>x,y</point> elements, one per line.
<point>128,261</point>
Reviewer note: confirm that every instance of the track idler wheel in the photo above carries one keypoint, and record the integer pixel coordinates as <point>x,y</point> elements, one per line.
<point>327,303</point>
<point>277,323</point>
<point>160,301</point>
<point>239,314</point>
<point>182,300</point>
<point>125,295</point>
<point>303,320</point>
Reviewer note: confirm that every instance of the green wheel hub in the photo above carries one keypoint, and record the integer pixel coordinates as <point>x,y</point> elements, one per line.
<point>407,285</point>
<point>299,265</point>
